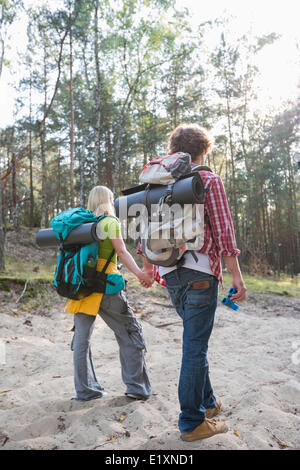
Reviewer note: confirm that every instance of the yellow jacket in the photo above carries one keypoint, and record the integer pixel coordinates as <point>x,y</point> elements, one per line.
<point>90,305</point>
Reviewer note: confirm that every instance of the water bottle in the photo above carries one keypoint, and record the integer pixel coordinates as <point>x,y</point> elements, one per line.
<point>91,263</point>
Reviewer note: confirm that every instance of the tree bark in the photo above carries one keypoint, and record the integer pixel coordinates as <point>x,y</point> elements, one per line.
<point>31,212</point>
<point>82,177</point>
<point>42,134</point>
<point>98,93</point>
<point>13,180</point>
<point>58,191</point>
<point>2,233</point>
<point>1,37</point>
<point>108,163</point>
<point>231,148</point>
<point>175,103</point>
<point>71,123</point>
<point>15,206</point>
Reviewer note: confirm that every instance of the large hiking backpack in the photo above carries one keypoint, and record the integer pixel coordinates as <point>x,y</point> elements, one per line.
<point>76,275</point>
<point>171,231</point>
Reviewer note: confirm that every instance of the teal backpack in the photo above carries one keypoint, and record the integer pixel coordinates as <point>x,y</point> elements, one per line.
<point>76,275</point>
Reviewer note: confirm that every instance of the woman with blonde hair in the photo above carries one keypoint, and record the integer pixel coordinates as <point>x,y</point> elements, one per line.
<point>113,309</point>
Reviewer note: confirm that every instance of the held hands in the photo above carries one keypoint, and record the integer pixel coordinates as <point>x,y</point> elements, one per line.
<point>146,277</point>
<point>240,295</point>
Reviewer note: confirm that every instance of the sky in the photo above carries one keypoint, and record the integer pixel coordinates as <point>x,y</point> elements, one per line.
<point>279,64</point>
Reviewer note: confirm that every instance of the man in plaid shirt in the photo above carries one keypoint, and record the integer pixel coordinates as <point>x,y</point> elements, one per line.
<point>193,288</point>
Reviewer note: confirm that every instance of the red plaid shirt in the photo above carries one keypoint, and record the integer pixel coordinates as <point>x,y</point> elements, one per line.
<point>219,237</point>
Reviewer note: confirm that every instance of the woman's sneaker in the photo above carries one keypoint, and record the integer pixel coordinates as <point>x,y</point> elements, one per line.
<point>208,428</point>
<point>136,397</point>
<point>103,394</point>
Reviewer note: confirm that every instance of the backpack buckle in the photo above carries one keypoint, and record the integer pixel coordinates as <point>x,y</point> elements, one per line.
<point>168,196</point>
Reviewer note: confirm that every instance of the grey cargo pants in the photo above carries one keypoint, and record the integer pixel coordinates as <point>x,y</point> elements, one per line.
<point>118,315</point>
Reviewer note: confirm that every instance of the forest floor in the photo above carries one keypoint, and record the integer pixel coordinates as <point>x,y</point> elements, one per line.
<point>254,360</point>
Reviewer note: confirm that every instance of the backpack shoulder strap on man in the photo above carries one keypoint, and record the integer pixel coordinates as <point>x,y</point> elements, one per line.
<point>201,167</point>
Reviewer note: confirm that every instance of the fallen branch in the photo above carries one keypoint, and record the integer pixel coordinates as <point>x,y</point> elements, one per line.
<point>281,443</point>
<point>163,305</point>
<point>5,441</point>
<point>23,292</point>
<point>168,324</point>
<point>101,445</point>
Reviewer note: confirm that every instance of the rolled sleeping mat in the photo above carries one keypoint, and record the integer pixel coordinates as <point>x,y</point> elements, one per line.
<point>81,235</point>
<point>189,190</point>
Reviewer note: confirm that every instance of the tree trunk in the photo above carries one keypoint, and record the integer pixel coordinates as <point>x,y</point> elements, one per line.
<point>98,165</point>
<point>31,213</point>
<point>175,103</point>
<point>120,129</point>
<point>82,179</point>
<point>2,233</point>
<point>232,179</point>
<point>44,205</point>
<point>71,123</point>
<point>58,190</point>
<point>42,134</point>
<point>108,164</point>
<point>15,206</point>
<point>13,181</point>
<point>292,212</point>
<point>2,6</point>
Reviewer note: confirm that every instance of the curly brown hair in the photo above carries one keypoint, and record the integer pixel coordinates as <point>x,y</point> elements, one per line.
<point>190,138</point>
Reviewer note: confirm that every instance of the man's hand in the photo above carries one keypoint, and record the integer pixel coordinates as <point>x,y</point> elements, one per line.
<point>237,278</point>
<point>147,279</point>
<point>239,285</point>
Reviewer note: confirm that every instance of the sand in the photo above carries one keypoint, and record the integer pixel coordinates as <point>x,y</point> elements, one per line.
<point>254,360</point>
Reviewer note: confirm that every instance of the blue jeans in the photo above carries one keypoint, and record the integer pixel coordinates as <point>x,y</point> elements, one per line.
<point>196,305</point>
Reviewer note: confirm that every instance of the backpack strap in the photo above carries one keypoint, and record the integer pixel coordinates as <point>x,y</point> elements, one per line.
<point>167,197</point>
<point>62,250</point>
<point>113,251</point>
<point>103,217</point>
<point>169,193</point>
<point>201,167</point>
<point>108,261</point>
<point>146,197</point>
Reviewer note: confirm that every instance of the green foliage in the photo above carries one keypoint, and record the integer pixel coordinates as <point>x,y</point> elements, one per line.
<point>260,285</point>
<point>138,71</point>
<point>17,268</point>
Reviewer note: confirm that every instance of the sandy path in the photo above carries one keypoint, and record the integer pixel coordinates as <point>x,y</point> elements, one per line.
<point>253,360</point>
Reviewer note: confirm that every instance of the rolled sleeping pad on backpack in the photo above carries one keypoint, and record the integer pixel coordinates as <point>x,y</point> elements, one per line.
<point>188,190</point>
<point>81,235</point>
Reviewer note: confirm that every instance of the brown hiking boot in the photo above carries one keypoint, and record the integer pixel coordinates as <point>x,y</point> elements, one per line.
<point>208,428</point>
<point>211,412</point>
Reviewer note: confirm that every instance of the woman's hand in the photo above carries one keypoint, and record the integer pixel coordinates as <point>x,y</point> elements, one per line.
<point>144,275</point>
<point>146,278</point>
<point>148,268</point>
